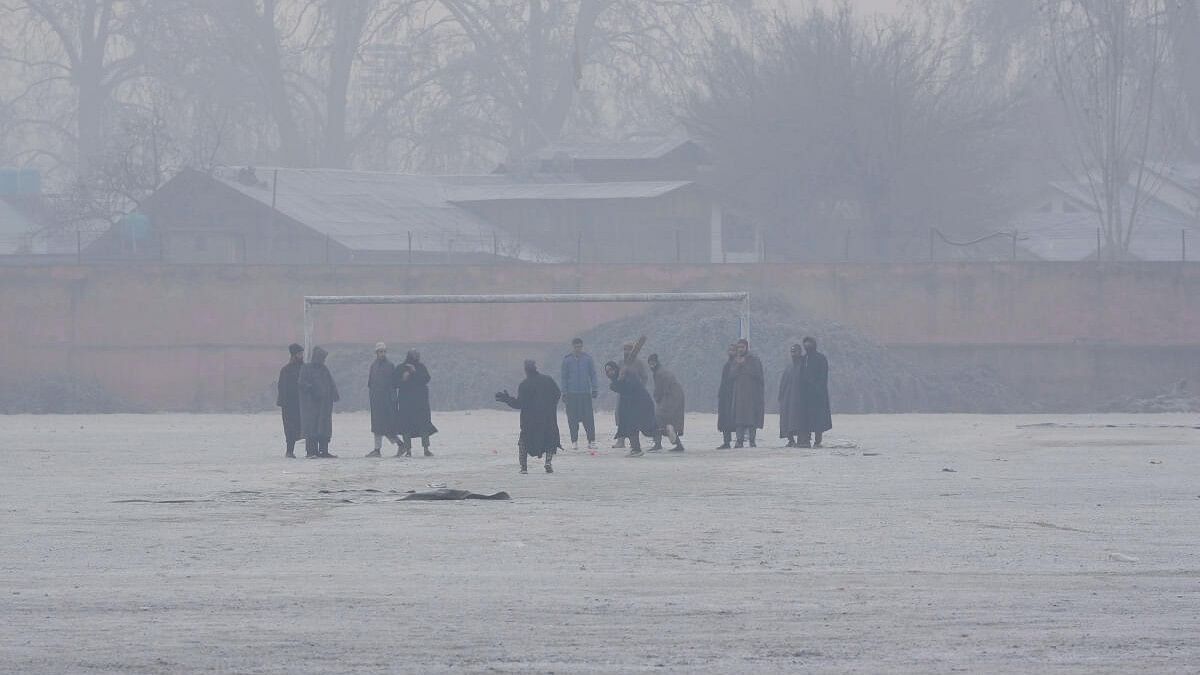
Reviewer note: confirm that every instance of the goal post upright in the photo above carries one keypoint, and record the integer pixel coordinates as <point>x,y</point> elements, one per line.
<point>312,301</point>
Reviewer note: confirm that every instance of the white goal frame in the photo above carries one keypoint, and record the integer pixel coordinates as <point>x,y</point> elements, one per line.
<point>312,301</point>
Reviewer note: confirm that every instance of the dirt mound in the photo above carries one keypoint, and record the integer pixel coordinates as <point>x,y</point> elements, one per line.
<point>864,376</point>
<point>1179,399</point>
<point>691,340</point>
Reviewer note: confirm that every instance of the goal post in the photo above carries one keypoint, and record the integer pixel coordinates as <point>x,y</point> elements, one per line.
<point>313,301</point>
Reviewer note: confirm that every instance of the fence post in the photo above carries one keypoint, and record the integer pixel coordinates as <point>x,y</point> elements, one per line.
<point>326,249</point>
<point>1014,250</point>
<point>579,248</point>
<point>410,247</point>
<point>496,244</point>
<point>678,247</point>
<point>78,247</point>
<point>1183,244</point>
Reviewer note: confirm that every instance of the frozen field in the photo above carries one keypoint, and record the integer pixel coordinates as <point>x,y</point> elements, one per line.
<point>186,543</point>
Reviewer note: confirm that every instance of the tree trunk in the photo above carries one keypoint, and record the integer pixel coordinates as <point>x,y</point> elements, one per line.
<point>291,151</point>
<point>349,18</point>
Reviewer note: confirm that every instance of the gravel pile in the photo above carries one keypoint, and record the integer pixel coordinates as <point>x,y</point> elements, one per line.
<point>1178,400</point>
<point>864,376</point>
<point>691,340</point>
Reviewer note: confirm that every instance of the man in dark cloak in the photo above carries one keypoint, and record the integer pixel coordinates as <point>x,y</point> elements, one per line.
<point>818,416</point>
<point>318,393</point>
<point>537,399</point>
<point>637,368</point>
<point>381,388</point>
<point>288,398</point>
<point>792,413</point>
<point>725,400</point>
<point>635,407</point>
<point>668,405</point>
<point>414,418</point>
<point>749,394</point>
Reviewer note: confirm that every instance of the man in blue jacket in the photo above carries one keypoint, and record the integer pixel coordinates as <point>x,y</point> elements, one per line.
<point>579,388</point>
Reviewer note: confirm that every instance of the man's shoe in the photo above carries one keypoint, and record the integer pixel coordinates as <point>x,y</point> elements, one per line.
<point>634,453</point>
<point>329,455</point>
<point>724,446</point>
<point>790,444</point>
<point>289,455</point>
<point>753,444</point>
<point>524,470</point>
<point>400,453</point>
<point>591,445</point>
<point>374,453</point>
<point>549,469</point>
<point>312,456</point>
<point>739,445</point>
<point>574,445</point>
<point>654,448</point>
<point>620,444</point>
<point>678,447</point>
<point>428,453</point>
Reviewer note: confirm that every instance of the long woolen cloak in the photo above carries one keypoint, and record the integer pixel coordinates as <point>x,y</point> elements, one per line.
<point>288,400</point>
<point>635,408</point>
<point>725,399</point>
<point>537,399</point>
<point>414,417</point>
<point>318,393</point>
<point>791,400</point>
<point>668,400</point>
<point>817,414</point>
<point>381,386</point>
<point>749,392</point>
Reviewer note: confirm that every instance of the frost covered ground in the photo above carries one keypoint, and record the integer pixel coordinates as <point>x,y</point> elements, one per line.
<point>186,543</point>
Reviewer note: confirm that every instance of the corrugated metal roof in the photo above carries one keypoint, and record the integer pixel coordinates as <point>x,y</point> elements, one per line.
<point>641,148</point>
<point>375,211</point>
<point>555,191</point>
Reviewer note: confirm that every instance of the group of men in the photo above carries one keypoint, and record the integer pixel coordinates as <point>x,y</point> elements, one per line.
<point>399,396</point>
<point>400,410</point>
<point>804,411</point>
<point>638,411</point>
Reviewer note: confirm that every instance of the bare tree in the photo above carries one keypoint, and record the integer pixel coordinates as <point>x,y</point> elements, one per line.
<point>536,60</point>
<point>1108,59</point>
<point>833,123</point>
<point>72,56</point>
<point>1184,21</point>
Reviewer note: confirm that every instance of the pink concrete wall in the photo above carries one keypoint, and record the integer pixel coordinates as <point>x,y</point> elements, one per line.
<point>202,337</point>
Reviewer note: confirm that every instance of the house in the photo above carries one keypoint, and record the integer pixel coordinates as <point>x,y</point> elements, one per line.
<point>298,216</point>
<point>612,222</point>
<point>643,157</point>
<point>1063,224</point>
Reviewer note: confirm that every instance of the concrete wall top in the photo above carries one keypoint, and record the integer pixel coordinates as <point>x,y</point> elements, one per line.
<point>904,304</point>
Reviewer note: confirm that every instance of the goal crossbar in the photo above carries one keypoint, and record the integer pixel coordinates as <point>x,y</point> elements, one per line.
<point>311,301</point>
